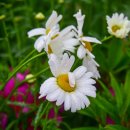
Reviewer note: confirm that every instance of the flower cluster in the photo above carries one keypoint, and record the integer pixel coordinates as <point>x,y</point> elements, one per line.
<point>67,87</point>
<point>70,88</point>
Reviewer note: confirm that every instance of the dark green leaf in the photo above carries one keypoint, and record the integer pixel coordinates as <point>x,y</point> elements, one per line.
<point>107,107</point>
<point>126,92</point>
<point>115,127</point>
<point>86,128</point>
<point>117,90</point>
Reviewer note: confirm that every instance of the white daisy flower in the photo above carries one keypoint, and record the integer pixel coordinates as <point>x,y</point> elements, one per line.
<point>91,66</point>
<point>85,46</point>
<point>118,25</point>
<point>68,88</point>
<point>65,41</point>
<point>51,30</point>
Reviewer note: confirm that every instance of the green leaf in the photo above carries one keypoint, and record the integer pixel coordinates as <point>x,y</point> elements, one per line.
<point>128,51</point>
<point>107,107</point>
<point>10,125</point>
<point>114,60</point>
<point>115,127</point>
<point>105,88</point>
<point>126,92</point>
<point>101,58</point>
<point>41,111</point>
<point>89,112</point>
<point>38,113</point>
<point>117,90</point>
<point>86,128</point>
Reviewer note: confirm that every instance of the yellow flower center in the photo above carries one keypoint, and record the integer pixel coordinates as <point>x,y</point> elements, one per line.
<point>63,82</point>
<point>115,28</point>
<point>53,37</point>
<point>47,31</point>
<point>88,45</point>
<point>49,49</point>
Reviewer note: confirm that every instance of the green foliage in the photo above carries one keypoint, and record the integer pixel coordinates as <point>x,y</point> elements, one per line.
<point>86,128</point>
<point>115,127</point>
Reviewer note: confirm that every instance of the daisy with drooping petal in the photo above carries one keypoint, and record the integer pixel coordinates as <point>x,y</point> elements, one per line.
<point>91,66</point>
<point>118,25</point>
<point>68,88</point>
<point>65,41</point>
<point>51,30</point>
<point>85,46</point>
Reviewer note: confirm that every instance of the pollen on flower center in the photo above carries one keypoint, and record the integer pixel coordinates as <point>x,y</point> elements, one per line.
<point>63,82</point>
<point>115,28</point>
<point>87,45</point>
<point>47,31</point>
<point>53,37</point>
<point>49,49</point>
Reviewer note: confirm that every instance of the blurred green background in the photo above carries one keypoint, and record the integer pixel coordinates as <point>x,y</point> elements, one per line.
<point>17,17</point>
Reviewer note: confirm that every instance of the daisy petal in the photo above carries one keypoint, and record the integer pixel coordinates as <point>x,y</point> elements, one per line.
<point>37,31</point>
<point>81,52</point>
<point>54,65</point>
<point>91,39</point>
<point>61,98</point>
<point>79,72</point>
<point>40,43</point>
<point>53,95</point>
<point>51,18</point>
<point>67,103</point>
<point>71,79</point>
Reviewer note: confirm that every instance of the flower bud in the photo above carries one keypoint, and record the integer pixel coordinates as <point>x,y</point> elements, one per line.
<point>30,78</point>
<point>39,16</point>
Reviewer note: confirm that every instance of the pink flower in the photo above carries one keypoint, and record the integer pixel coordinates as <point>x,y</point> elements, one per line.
<point>112,91</point>
<point>22,94</point>
<point>3,120</point>
<point>109,120</point>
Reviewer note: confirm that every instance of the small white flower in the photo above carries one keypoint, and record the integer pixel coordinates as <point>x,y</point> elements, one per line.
<point>51,30</point>
<point>85,46</point>
<point>118,25</point>
<point>91,66</point>
<point>68,88</point>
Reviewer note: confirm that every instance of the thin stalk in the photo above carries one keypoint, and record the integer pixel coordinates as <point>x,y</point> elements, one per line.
<point>39,116</point>
<point>16,29</point>
<point>104,40</point>
<point>8,44</point>
<point>23,64</point>
<point>22,61</point>
<point>21,104</point>
<point>27,57</point>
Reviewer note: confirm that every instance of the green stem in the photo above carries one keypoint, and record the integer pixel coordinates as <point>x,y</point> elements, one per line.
<point>21,104</point>
<point>20,66</point>
<point>16,29</point>
<point>22,61</point>
<point>104,40</point>
<point>23,64</point>
<point>27,57</point>
<point>41,111</point>
<point>8,44</point>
